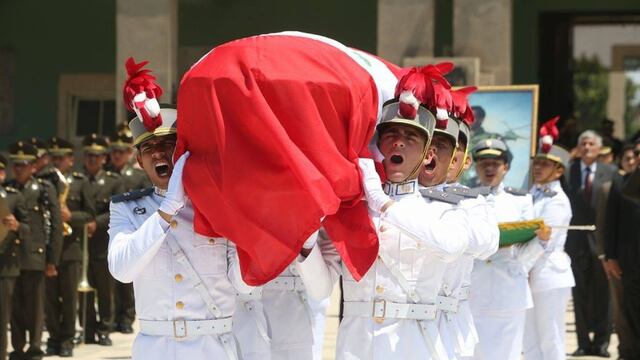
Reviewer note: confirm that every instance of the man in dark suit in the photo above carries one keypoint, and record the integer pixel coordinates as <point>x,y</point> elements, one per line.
<point>622,253</point>
<point>591,293</point>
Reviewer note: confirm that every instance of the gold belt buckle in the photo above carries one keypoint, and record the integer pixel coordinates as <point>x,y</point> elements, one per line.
<point>379,319</point>
<point>175,332</point>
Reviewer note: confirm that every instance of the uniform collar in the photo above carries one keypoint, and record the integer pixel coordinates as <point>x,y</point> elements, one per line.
<point>497,189</point>
<point>404,188</point>
<point>159,192</point>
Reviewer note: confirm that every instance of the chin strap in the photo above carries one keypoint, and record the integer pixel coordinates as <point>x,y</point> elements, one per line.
<point>464,160</point>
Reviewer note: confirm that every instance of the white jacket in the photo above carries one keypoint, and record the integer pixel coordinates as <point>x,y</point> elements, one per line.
<point>500,283</point>
<point>418,237</point>
<point>139,253</point>
<point>553,269</point>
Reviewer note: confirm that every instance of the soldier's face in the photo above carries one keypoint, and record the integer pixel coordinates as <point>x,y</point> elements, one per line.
<point>402,147</point>
<point>545,171</point>
<point>155,158</point>
<point>435,170</point>
<point>22,172</point>
<point>63,163</point>
<point>93,162</point>
<point>120,157</point>
<point>491,171</point>
<point>41,162</point>
<point>458,164</point>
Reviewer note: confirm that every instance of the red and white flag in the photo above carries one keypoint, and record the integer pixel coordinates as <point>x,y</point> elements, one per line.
<point>275,125</point>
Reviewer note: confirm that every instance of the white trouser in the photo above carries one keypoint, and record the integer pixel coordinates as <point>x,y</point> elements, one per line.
<point>319,310</point>
<point>545,325</point>
<point>500,335</point>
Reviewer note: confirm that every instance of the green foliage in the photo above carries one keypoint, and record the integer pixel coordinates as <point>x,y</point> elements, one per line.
<point>631,109</point>
<point>591,91</point>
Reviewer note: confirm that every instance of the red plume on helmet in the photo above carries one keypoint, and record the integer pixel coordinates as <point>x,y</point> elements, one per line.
<point>140,94</point>
<point>461,108</point>
<point>549,134</point>
<point>417,87</point>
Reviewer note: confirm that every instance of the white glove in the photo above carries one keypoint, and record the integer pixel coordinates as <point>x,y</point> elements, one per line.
<point>376,198</point>
<point>175,197</point>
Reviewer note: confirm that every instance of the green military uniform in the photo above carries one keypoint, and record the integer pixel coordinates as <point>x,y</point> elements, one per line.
<point>48,172</point>
<point>44,247</point>
<point>132,179</point>
<point>10,249</point>
<point>103,184</point>
<point>62,290</point>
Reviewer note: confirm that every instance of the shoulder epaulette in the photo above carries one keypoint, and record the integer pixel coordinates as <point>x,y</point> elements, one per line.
<point>462,191</point>
<point>131,195</point>
<point>112,174</point>
<point>78,175</point>
<point>549,193</point>
<point>439,195</point>
<point>482,190</point>
<point>11,189</point>
<point>513,191</point>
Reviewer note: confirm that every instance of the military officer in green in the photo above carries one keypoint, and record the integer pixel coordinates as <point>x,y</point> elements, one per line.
<point>62,291</point>
<point>103,184</point>
<point>15,228</point>
<point>44,168</point>
<point>120,153</point>
<point>39,255</point>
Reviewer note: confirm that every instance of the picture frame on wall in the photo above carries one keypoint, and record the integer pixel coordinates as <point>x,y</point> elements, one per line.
<point>508,113</point>
<point>466,70</point>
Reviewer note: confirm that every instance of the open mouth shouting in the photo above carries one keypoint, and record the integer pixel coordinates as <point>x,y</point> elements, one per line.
<point>430,167</point>
<point>396,159</point>
<point>162,168</point>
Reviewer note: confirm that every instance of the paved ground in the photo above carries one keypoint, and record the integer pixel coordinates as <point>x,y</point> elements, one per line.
<point>122,343</point>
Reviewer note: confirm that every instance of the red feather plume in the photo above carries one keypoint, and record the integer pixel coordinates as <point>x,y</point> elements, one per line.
<point>421,82</point>
<point>461,108</point>
<point>549,134</point>
<point>140,81</point>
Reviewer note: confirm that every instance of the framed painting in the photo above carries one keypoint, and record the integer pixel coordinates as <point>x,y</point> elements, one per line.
<point>508,113</point>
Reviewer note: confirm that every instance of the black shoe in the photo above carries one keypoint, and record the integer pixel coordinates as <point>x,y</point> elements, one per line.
<point>52,350</point>
<point>34,354</point>
<point>125,328</point>
<point>66,352</point>
<point>601,351</point>
<point>104,340</point>
<point>16,355</point>
<point>581,352</point>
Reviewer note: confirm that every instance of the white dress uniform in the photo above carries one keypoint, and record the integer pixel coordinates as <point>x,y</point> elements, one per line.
<point>391,312</point>
<point>550,279</point>
<point>456,324</point>
<point>500,292</point>
<point>283,305</point>
<point>175,320</point>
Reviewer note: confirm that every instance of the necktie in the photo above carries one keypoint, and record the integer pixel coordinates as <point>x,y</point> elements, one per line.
<point>587,183</point>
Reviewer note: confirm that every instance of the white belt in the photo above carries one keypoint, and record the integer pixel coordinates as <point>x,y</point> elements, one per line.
<point>255,294</point>
<point>380,309</point>
<point>464,293</point>
<point>180,329</point>
<point>285,283</point>
<point>450,303</point>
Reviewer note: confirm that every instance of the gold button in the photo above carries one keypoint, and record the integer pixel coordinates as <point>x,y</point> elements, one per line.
<point>178,277</point>
<point>17,241</point>
<point>13,254</point>
<point>174,224</point>
<point>180,305</point>
<point>379,289</point>
<point>378,320</point>
<point>212,241</point>
<point>383,228</point>
<point>488,261</point>
<point>36,208</point>
<point>40,250</point>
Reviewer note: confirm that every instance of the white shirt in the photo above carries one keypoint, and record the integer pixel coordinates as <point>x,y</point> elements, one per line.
<point>593,167</point>
<point>139,253</point>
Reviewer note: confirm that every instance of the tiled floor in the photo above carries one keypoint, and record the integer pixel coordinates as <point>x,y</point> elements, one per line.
<point>122,343</point>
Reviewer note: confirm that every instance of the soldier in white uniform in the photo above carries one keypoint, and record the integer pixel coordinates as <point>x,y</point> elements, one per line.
<point>456,322</point>
<point>185,284</point>
<point>551,278</point>
<point>500,291</point>
<point>391,312</point>
<point>276,321</point>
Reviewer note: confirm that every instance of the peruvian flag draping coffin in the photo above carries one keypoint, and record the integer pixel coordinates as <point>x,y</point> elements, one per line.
<point>275,124</point>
